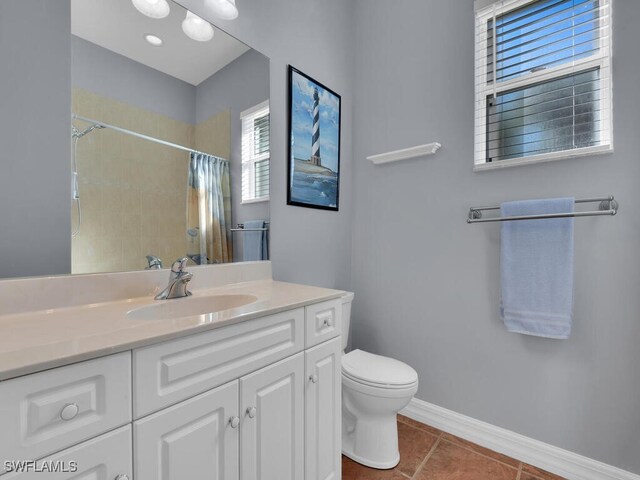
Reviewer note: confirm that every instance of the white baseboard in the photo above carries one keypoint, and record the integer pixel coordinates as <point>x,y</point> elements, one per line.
<point>542,455</point>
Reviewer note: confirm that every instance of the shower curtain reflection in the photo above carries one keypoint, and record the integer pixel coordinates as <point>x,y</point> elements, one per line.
<point>209,210</point>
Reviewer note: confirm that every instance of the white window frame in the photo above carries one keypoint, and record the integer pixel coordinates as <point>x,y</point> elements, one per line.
<point>249,158</point>
<point>600,59</point>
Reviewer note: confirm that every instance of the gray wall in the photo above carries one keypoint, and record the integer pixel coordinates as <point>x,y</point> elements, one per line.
<point>427,284</point>
<point>240,85</point>
<point>308,246</point>
<point>35,180</point>
<point>109,74</point>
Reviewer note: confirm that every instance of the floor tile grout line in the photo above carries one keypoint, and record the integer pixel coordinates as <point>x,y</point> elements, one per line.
<point>425,432</point>
<point>482,454</point>
<point>461,445</point>
<point>431,434</point>
<point>519,471</point>
<point>428,456</point>
<point>437,435</point>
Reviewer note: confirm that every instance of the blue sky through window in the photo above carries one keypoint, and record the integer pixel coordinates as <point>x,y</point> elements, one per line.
<point>545,34</point>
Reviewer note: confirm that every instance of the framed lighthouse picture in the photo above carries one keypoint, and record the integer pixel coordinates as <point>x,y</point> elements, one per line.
<point>314,143</point>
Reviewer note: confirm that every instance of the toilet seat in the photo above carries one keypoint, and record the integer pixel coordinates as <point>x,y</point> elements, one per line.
<point>377,371</point>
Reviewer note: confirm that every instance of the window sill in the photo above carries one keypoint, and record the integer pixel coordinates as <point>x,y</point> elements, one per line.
<point>255,200</point>
<point>543,158</point>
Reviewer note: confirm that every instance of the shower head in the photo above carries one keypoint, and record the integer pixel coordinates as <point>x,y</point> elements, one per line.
<point>75,133</point>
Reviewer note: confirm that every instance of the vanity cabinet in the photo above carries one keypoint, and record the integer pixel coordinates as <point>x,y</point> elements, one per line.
<point>249,429</point>
<point>323,411</point>
<point>48,411</point>
<point>107,457</point>
<point>169,372</point>
<point>272,428</point>
<point>323,322</point>
<point>197,439</point>
<point>256,400</point>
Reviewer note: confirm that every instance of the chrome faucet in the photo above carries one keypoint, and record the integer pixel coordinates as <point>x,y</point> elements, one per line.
<point>178,280</point>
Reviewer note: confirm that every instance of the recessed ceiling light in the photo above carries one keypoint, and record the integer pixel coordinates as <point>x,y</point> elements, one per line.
<point>196,28</point>
<point>224,9</point>
<point>152,8</point>
<point>153,39</point>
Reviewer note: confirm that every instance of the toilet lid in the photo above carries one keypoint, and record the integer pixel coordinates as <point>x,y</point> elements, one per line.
<point>377,370</point>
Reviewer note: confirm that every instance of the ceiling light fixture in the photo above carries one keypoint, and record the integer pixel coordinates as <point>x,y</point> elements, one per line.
<point>196,28</point>
<point>152,8</point>
<point>224,9</point>
<point>153,39</point>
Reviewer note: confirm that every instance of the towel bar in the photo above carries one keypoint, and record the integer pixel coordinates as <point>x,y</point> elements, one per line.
<point>240,228</point>
<point>606,206</point>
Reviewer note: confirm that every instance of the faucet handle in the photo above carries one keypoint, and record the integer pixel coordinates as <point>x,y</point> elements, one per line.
<point>154,262</point>
<point>179,265</point>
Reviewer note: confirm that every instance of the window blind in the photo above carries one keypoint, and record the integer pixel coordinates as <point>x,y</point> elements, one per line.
<point>543,82</point>
<point>255,153</point>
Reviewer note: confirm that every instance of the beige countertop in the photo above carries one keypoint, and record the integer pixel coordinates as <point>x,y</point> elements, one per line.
<point>35,341</point>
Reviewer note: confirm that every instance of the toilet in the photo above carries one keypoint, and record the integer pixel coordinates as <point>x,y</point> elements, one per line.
<point>374,390</point>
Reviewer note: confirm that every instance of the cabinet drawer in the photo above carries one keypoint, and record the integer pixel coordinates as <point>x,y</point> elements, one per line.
<point>102,458</point>
<point>173,371</point>
<point>323,322</point>
<point>49,411</point>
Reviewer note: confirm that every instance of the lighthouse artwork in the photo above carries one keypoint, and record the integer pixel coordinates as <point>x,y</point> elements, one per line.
<point>314,150</point>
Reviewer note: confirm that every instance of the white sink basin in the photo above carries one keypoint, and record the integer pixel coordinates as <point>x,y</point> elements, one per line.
<point>189,306</point>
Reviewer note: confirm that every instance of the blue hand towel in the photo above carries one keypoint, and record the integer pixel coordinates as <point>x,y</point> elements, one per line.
<point>537,269</point>
<point>254,244</point>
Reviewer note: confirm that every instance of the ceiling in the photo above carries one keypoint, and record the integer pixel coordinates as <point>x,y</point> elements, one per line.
<point>117,26</point>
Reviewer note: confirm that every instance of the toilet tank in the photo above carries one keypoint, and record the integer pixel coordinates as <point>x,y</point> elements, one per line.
<point>347,298</point>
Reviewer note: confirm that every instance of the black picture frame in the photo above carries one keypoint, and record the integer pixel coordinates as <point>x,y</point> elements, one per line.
<point>312,180</point>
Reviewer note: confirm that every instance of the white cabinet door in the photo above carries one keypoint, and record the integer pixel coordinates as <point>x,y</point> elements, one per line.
<point>197,439</point>
<point>106,457</point>
<point>272,433</point>
<point>323,412</point>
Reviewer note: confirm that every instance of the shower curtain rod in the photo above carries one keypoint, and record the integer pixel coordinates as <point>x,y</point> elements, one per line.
<point>142,136</point>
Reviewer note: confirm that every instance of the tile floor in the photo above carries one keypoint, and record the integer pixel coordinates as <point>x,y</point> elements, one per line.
<point>429,454</point>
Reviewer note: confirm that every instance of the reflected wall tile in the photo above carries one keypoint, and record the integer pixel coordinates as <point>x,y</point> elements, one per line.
<point>131,188</point>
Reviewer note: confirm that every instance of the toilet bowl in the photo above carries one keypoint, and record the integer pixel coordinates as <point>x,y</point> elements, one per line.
<point>374,390</point>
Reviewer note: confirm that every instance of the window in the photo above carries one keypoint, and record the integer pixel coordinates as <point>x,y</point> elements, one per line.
<point>542,81</point>
<point>255,153</point>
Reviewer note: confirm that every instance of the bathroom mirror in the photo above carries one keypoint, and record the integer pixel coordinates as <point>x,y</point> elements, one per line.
<point>170,139</point>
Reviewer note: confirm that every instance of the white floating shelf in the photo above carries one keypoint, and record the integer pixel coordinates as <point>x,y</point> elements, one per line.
<point>405,154</point>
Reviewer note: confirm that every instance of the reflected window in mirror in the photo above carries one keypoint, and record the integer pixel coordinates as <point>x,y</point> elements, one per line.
<point>255,153</point>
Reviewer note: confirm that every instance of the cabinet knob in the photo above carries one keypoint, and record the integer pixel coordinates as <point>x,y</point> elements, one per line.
<point>328,322</point>
<point>251,411</point>
<point>234,422</point>
<point>122,476</point>
<point>69,411</point>
<point>313,378</point>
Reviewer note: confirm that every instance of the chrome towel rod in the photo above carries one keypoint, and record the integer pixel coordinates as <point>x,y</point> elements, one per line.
<point>606,206</point>
<point>240,228</point>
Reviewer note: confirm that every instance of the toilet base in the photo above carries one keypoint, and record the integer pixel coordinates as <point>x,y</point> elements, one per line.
<point>368,463</point>
<point>371,440</point>
<point>372,395</point>
<point>369,422</point>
